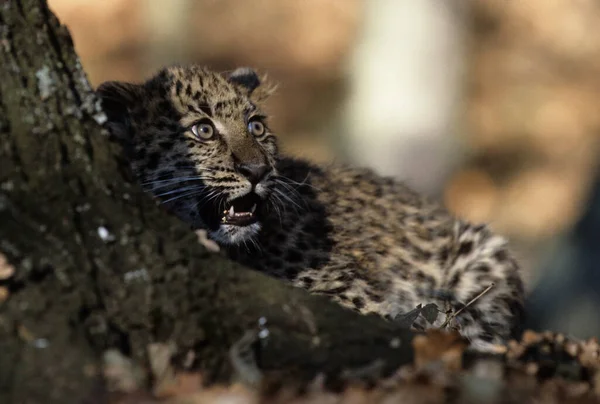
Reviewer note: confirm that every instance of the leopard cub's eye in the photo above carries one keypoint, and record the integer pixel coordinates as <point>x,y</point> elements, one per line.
<point>203,130</point>
<point>256,127</point>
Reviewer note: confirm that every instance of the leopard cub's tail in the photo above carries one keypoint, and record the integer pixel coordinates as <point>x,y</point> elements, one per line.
<point>484,289</point>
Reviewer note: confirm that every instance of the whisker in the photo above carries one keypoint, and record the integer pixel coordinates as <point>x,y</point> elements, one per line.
<point>195,192</point>
<point>299,184</point>
<point>283,195</point>
<point>255,244</point>
<point>246,245</point>
<point>291,188</point>
<point>178,190</point>
<point>276,208</point>
<point>294,193</point>
<point>212,195</point>
<point>173,180</point>
<point>293,184</point>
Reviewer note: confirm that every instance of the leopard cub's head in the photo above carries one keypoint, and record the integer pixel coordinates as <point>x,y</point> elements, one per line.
<point>199,142</point>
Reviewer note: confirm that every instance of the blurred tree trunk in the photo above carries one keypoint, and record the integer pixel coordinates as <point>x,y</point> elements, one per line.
<point>98,265</point>
<point>169,43</point>
<point>406,91</point>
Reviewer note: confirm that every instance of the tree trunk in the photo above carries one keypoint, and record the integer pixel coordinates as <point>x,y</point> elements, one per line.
<point>99,265</point>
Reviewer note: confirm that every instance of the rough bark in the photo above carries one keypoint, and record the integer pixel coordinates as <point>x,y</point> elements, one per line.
<point>99,265</point>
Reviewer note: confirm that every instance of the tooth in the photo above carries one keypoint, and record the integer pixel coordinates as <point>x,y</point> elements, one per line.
<point>253,208</point>
<point>231,211</point>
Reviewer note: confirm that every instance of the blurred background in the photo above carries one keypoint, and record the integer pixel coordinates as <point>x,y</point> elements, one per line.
<point>489,105</point>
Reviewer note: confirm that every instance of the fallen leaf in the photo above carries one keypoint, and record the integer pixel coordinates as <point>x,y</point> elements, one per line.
<point>430,312</point>
<point>406,320</point>
<point>437,345</point>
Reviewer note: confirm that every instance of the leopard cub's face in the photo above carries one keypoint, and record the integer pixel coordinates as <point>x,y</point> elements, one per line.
<point>200,143</point>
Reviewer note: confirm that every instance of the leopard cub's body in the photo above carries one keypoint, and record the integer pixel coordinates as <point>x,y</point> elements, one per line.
<point>200,143</point>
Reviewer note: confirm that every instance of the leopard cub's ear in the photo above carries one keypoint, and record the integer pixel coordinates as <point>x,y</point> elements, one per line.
<point>118,98</point>
<point>247,79</point>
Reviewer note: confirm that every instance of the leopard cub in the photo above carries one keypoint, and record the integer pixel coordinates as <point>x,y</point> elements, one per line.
<point>200,142</point>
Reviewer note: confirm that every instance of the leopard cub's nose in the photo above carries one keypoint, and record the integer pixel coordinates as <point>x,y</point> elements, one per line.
<point>254,172</point>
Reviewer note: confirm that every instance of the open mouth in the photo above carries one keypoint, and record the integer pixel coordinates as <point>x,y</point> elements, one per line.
<point>242,211</point>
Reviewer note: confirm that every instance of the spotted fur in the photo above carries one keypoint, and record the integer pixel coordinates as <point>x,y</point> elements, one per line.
<point>369,242</point>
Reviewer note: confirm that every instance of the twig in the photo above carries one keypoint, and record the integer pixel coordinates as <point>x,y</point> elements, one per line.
<point>454,315</point>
